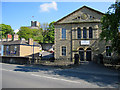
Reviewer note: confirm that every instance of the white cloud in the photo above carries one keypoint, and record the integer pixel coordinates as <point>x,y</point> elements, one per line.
<point>47,6</point>
<point>16,30</point>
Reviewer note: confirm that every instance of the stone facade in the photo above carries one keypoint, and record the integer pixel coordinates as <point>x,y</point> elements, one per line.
<point>21,48</point>
<point>84,17</point>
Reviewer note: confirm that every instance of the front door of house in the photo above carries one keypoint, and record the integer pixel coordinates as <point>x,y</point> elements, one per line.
<point>81,53</point>
<point>88,54</point>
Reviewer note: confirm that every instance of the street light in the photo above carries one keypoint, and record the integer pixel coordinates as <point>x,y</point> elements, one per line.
<point>33,52</point>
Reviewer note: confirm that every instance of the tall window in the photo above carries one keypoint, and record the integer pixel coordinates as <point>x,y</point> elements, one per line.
<point>90,32</point>
<point>108,53</point>
<point>63,51</point>
<point>15,49</point>
<point>7,50</point>
<point>79,33</point>
<point>84,32</point>
<point>63,33</point>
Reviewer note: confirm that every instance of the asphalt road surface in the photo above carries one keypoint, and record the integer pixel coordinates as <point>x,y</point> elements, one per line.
<point>20,76</point>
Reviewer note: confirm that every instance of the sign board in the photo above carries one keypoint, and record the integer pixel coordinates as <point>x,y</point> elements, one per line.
<point>85,42</point>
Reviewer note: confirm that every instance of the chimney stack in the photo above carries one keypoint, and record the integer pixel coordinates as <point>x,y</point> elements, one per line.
<point>30,41</point>
<point>15,37</point>
<point>9,37</point>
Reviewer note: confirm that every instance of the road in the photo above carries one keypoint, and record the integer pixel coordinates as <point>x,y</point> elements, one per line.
<point>20,76</point>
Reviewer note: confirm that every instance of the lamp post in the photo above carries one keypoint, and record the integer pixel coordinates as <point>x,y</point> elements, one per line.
<point>33,52</point>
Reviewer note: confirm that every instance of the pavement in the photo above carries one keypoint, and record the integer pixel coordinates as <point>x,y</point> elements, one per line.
<point>93,68</point>
<point>88,67</point>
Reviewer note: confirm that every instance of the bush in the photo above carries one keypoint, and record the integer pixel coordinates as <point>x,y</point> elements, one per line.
<point>111,60</point>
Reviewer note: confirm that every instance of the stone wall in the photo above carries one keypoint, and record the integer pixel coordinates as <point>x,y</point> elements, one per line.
<point>28,50</point>
<point>71,25</point>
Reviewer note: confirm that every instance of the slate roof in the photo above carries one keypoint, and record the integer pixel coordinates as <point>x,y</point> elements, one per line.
<point>18,42</point>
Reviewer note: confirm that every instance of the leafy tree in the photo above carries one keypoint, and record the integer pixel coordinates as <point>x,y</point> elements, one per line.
<point>5,29</point>
<point>25,32</point>
<point>49,33</point>
<point>110,23</point>
<point>44,26</point>
<point>37,35</point>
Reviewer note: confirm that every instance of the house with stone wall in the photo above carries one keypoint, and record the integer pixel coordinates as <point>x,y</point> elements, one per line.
<point>20,48</point>
<point>78,33</point>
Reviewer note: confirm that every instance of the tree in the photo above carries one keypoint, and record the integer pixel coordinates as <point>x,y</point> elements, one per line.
<point>44,26</point>
<point>6,29</point>
<point>27,33</point>
<point>110,23</point>
<point>37,35</point>
<point>49,33</point>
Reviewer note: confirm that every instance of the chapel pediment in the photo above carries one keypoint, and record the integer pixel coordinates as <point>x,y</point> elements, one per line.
<point>84,14</point>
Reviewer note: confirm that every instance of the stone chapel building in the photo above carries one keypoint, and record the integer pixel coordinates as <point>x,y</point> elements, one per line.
<point>78,33</point>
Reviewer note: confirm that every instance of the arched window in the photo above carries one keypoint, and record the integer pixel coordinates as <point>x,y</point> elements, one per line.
<point>81,49</point>
<point>90,32</point>
<point>81,53</point>
<point>63,51</point>
<point>84,32</point>
<point>79,33</point>
<point>88,49</point>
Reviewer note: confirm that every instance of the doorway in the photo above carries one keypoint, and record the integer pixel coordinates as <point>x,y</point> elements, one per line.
<point>88,54</point>
<point>81,53</point>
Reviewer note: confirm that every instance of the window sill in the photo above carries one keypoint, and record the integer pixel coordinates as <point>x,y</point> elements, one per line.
<point>86,39</point>
<point>63,39</point>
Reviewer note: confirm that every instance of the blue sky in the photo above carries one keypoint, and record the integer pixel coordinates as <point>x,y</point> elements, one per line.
<point>19,14</point>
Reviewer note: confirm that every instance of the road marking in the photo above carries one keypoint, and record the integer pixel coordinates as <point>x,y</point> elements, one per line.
<point>10,64</point>
<point>55,78</point>
<point>7,70</point>
<point>11,71</point>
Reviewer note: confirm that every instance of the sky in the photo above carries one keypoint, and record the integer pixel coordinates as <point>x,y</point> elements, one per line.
<point>17,14</point>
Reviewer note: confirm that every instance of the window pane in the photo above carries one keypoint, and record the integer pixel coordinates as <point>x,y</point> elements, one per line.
<point>7,50</point>
<point>90,32</point>
<point>64,51</point>
<point>79,32</point>
<point>63,33</point>
<point>84,33</point>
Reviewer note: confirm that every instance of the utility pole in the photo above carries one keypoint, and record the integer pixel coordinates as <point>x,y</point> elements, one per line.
<point>33,52</point>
